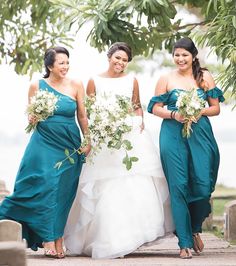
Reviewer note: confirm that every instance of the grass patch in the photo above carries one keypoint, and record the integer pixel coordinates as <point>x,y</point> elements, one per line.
<point>221,190</point>
<point>219,204</point>
<point>218,231</point>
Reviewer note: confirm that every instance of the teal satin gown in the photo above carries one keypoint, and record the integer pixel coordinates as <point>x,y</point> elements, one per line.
<point>190,166</point>
<point>43,195</point>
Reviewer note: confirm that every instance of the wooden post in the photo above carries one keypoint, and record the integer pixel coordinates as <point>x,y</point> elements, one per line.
<point>230,221</point>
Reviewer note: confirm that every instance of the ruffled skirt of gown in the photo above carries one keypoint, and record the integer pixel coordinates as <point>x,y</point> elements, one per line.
<point>115,210</point>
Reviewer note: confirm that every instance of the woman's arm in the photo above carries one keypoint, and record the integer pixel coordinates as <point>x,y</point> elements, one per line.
<point>81,112</point>
<point>136,99</point>
<point>138,110</point>
<point>32,91</point>
<point>90,90</point>
<point>158,110</point>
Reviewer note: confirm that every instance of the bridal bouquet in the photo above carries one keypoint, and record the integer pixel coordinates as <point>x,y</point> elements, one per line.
<point>189,106</point>
<point>108,124</point>
<point>41,106</point>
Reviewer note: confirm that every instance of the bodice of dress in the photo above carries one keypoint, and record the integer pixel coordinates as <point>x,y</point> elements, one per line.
<point>170,98</point>
<point>66,106</point>
<point>114,86</point>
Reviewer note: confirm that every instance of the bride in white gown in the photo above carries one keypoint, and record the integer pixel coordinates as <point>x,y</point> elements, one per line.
<point>116,210</point>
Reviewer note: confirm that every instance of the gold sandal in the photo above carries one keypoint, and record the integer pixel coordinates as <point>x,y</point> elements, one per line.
<point>50,253</point>
<point>198,245</point>
<point>186,254</point>
<point>59,248</point>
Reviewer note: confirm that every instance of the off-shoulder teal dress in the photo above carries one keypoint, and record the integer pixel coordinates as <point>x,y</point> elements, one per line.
<point>190,166</point>
<point>43,195</point>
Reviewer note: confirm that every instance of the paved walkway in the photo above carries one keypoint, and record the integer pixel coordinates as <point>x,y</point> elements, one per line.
<point>217,252</point>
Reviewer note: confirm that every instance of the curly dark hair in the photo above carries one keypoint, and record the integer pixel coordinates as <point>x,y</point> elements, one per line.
<point>49,57</point>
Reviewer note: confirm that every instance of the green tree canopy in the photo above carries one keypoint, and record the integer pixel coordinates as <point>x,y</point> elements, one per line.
<point>220,35</point>
<point>28,27</point>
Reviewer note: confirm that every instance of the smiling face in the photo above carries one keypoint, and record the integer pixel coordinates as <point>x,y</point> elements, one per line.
<point>118,61</point>
<point>183,59</point>
<point>60,66</point>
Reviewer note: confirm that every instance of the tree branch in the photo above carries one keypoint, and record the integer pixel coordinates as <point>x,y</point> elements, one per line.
<point>193,25</point>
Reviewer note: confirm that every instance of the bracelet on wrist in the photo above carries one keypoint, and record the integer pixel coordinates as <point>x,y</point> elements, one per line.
<point>172,114</point>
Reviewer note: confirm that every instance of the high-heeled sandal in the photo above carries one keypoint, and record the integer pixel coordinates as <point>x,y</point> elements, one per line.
<point>48,252</point>
<point>198,245</point>
<point>187,253</point>
<point>59,248</point>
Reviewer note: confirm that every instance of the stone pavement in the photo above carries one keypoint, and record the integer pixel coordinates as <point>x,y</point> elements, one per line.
<point>217,252</point>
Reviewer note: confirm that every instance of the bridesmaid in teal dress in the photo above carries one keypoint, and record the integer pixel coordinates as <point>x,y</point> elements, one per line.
<point>190,164</point>
<point>43,195</point>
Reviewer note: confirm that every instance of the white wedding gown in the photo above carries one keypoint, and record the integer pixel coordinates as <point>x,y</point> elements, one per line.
<point>116,210</point>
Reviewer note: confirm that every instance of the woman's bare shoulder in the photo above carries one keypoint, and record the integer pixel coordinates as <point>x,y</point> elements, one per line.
<point>34,83</point>
<point>34,86</point>
<point>164,81</point>
<point>208,79</point>
<point>76,83</point>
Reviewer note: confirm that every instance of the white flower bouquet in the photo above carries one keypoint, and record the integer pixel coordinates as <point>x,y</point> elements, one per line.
<point>108,124</point>
<point>41,106</point>
<point>189,105</point>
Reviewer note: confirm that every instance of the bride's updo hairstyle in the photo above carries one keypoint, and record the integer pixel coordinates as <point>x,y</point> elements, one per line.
<point>50,55</point>
<point>187,44</point>
<point>120,46</point>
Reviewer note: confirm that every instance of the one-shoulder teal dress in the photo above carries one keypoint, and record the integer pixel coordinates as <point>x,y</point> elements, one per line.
<point>190,166</point>
<point>43,195</point>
